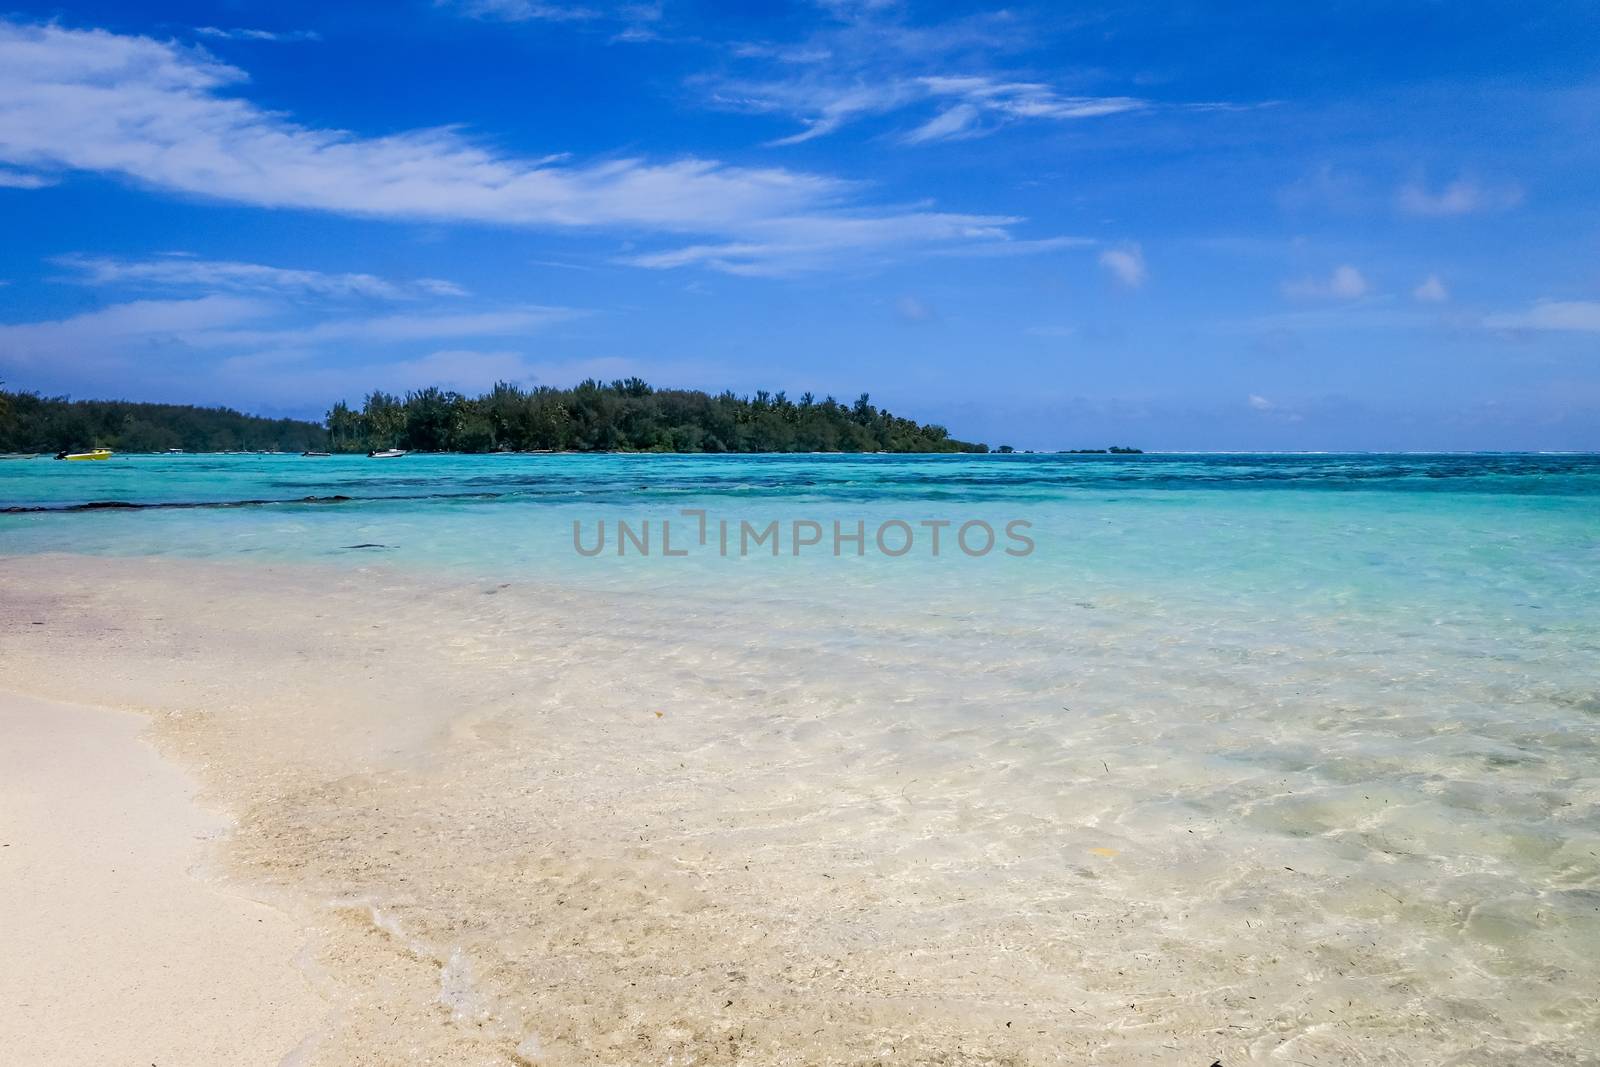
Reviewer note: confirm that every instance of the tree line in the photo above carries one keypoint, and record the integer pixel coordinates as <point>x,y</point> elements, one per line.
<point>622,416</point>
<point>33,423</point>
<point>627,416</point>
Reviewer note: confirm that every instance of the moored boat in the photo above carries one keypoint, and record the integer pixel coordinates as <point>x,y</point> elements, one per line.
<point>386,453</point>
<point>316,453</point>
<point>92,454</point>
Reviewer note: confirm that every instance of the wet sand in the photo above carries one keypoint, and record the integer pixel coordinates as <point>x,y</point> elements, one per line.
<point>120,945</point>
<point>540,824</point>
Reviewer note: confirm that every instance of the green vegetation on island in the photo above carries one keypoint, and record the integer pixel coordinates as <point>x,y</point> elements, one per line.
<point>622,416</point>
<point>33,423</point>
<point>627,416</point>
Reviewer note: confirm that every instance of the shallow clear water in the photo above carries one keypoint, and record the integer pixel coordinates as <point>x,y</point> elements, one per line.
<point>1493,545</point>
<point>1266,738</point>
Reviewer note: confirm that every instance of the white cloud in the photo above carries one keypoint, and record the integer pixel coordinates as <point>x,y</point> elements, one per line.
<point>180,272</point>
<point>1029,99</point>
<point>955,122</point>
<point>1327,188</point>
<point>636,20</point>
<point>1345,283</point>
<point>1460,197</point>
<point>1431,291</point>
<point>814,242</point>
<point>1572,315</point>
<point>1029,247</point>
<point>238,34</point>
<point>134,328</point>
<point>522,10</point>
<point>855,9</point>
<point>1272,409</point>
<point>241,331</point>
<point>1126,264</point>
<point>910,309</point>
<point>164,115</point>
<point>390,328</point>
<point>14,179</point>
<point>968,105</point>
<point>823,106</point>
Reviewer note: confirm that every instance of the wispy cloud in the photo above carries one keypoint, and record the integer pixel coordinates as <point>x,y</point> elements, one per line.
<point>1021,247</point>
<point>14,179</point>
<point>239,34</point>
<point>823,107</point>
<point>134,329</point>
<point>1345,283</point>
<point>522,10</point>
<point>632,22</point>
<point>1271,408</point>
<point>185,272</point>
<point>911,309</point>
<point>797,245</point>
<point>1566,315</point>
<point>222,322</point>
<point>1327,188</point>
<point>941,76</point>
<point>162,115</point>
<point>1126,264</point>
<point>1431,291</point>
<point>959,121</point>
<point>1030,100</point>
<point>224,346</point>
<point>502,322</point>
<point>963,106</point>
<point>1463,196</point>
<point>268,349</point>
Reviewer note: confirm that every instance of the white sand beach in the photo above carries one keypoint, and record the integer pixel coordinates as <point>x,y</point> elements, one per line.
<point>121,946</point>
<point>531,824</point>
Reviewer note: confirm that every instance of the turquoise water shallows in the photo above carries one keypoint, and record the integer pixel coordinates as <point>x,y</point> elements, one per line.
<point>1490,536</point>
<point>1327,726</point>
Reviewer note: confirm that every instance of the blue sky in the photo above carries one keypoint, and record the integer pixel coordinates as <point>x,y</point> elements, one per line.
<point>1252,225</point>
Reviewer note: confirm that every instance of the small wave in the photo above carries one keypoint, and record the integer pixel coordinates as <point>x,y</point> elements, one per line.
<point>458,992</point>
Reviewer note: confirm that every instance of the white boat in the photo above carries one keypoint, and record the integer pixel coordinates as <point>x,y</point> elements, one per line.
<point>387,453</point>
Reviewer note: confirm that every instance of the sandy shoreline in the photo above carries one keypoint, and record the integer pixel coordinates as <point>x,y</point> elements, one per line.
<point>526,824</point>
<point>120,947</point>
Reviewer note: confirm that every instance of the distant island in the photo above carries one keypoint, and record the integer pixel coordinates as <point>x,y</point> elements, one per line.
<point>33,423</point>
<point>621,416</point>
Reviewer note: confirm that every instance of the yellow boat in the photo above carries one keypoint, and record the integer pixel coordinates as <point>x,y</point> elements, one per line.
<point>93,453</point>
